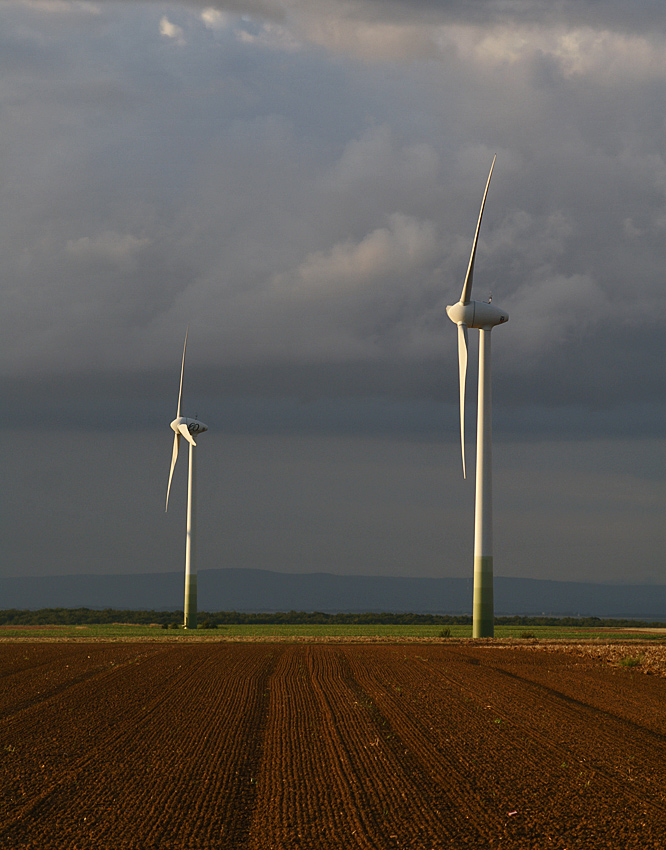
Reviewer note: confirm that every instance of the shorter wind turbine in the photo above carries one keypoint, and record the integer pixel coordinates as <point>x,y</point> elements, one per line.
<point>484,316</point>
<point>183,426</point>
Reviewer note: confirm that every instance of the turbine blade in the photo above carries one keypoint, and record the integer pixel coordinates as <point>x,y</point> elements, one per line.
<point>174,458</point>
<point>462,376</point>
<point>467,286</point>
<point>185,431</point>
<point>182,372</point>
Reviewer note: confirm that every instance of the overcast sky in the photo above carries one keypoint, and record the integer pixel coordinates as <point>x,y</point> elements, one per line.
<point>299,181</point>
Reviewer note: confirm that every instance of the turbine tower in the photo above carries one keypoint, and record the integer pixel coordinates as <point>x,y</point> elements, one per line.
<point>483,316</point>
<point>181,425</point>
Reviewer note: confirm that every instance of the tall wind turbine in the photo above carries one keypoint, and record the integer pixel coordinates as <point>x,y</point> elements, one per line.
<point>484,316</point>
<point>182,426</point>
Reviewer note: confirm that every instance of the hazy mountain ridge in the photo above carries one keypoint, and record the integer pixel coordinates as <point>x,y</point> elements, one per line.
<point>263,590</point>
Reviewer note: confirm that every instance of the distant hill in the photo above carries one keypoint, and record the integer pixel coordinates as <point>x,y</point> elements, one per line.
<point>262,590</point>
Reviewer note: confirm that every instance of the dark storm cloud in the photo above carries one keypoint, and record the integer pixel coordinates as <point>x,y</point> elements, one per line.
<point>418,401</point>
<point>339,504</point>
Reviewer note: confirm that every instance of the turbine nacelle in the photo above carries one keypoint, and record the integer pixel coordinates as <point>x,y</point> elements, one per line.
<point>188,427</point>
<point>476,314</point>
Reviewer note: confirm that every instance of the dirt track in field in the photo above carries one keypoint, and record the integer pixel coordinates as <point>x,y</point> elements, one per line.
<point>296,745</point>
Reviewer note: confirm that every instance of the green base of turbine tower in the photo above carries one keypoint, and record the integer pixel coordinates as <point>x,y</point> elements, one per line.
<point>483,622</point>
<point>190,621</point>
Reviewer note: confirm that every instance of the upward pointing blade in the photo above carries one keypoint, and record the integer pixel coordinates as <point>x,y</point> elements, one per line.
<point>467,286</point>
<point>174,458</point>
<point>182,372</point>
<point>462,374</point>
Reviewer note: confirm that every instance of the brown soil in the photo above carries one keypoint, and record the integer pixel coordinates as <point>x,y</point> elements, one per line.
<point>252,746</point>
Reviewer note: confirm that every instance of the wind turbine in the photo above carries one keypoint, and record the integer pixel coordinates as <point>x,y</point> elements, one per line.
<point>183,426</point>
<point>484,316</point>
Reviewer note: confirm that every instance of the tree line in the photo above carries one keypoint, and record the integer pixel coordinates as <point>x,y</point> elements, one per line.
<point>107,616</point>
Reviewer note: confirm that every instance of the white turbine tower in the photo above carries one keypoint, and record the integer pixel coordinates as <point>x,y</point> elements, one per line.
<point>484,316</point>
<point>181,425</point>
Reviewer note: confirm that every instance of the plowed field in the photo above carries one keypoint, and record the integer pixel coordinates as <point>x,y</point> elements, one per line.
<point>286,745</point>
